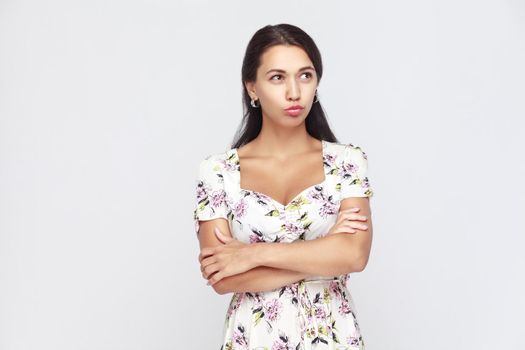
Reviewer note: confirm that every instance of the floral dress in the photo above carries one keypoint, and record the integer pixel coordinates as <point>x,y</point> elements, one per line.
<point>314,313</point>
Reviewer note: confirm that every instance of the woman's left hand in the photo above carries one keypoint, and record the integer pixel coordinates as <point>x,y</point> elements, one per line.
<point>231,258</point>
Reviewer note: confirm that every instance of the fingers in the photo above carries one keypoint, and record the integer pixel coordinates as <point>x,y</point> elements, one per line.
<point>343,229</point>
<point>351,217</point>
<point>213,275</point>
<point>205,252</point>
<point>209,251</point>
<point>209,270</point>
<point>357,225</point>
<point>349,220</point>
<point>216,278</point>
<point>353,224</point>
<point>208,261</point>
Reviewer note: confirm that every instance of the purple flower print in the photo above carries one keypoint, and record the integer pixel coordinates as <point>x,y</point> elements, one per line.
<point>290,291</point>
<point>239,337</point>
<point>347,169</point>
<point>292,228</point>
<point>229,164</point>
<point>344,308</point>
<point>201,192</point>
<point>334,289</point>
<point>316,193</point>
<point>328,208</point>
<point>344,279</point>
<point>257,236</point>
<point>352,341</point>
<point>261,198</point>
<point>217,198</point>
<point>254,238</point>
<point>320,313</point>
<point>240,208</point>
<point>282,343</point>
<point>329,159</point>
<point>273,309</point>
<point>234,305</point>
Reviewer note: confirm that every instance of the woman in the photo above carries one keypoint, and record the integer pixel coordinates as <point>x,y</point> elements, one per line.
<point>297,185</point>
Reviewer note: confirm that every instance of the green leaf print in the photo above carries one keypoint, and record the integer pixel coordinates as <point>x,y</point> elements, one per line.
<point>333,171</point>
<point>297,203</point>
<point>326,296</point>
<point>258,314</point>
<point>273,213</point>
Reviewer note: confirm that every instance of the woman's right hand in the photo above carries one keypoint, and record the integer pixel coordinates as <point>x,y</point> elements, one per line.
<point>347,221</point>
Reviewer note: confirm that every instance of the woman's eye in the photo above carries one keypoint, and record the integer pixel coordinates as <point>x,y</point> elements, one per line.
<point>309,74</point>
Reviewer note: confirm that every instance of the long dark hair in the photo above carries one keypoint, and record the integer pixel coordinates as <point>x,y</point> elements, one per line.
<point>266,37</point>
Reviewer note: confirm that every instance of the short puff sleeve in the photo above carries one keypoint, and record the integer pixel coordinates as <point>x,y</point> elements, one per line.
<point>210,196</point>
<point>353,172</point>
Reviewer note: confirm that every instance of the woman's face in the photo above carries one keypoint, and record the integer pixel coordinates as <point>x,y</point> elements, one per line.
<point>286,77</point>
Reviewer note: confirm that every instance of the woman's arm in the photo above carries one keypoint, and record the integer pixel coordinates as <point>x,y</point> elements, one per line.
<point>327,256</point>
<point>259,279</point>
<point>336,254</point>
<point>332,255</point>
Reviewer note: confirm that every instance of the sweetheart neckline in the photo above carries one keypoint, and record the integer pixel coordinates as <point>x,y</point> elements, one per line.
<point>292,200</point>
<point>238,172</point>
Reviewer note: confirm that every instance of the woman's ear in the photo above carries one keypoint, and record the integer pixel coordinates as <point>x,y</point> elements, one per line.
<point>250,87</point>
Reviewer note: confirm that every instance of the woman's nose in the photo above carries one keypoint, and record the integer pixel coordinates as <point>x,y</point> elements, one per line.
<point>293,90</point>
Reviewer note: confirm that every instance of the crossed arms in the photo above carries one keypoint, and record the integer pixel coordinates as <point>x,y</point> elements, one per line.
<point>279,264</point>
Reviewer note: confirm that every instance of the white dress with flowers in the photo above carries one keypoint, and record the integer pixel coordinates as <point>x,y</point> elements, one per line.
<point>314,313</point>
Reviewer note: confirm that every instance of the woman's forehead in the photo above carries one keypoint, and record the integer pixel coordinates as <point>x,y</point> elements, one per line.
<point>286,58</point>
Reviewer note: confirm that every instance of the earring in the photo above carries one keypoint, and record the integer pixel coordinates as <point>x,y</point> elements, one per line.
<point>316,98</point>
<point>252,102</point>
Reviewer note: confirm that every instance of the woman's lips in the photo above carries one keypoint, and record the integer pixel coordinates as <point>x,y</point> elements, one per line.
<point>293,111</point>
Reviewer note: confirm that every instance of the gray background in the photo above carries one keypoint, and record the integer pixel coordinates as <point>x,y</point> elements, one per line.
<point>106,108</point>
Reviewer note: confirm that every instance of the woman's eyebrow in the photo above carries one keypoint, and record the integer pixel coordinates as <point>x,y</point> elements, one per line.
<point>283,71</point>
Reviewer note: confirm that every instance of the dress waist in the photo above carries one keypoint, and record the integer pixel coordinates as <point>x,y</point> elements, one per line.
<point>319,279</point>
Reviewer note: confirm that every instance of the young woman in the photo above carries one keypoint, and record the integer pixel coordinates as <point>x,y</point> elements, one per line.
<point>283,217</point>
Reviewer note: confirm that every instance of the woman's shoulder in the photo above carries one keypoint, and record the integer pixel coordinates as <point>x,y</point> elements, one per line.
<point>217,161</point>
<point>217,155</point>
<point>341,147</point>
<point>346,151</point>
